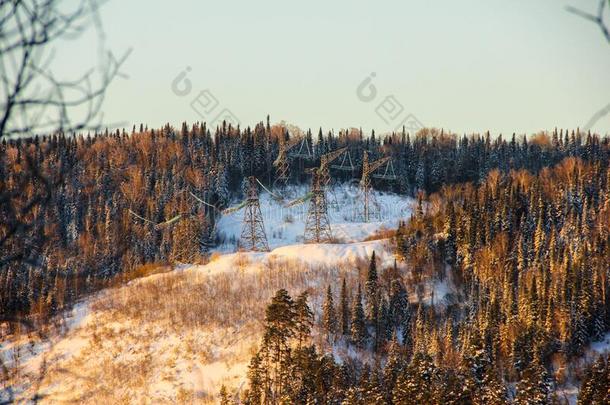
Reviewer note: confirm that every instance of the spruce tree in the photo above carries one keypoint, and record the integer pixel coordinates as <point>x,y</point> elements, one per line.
<point>344,309</point>
<point>398,311</point>
<point>533,388</point>
<point>372,292</point>
<point>303,318</point>
<point>595,387</point>
<point>255,391</point>
<point>450,235</point>
<point>329,319</point>
<point>393,367</point>
<point>358,325</point>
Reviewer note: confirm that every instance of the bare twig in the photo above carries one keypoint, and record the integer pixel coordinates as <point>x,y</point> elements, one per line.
<point>597,19</point>
<point>596,117</point>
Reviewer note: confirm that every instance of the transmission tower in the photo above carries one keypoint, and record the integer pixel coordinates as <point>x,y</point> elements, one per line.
<point>325,164</point>
<point>281,163</point>
<point>317,225</point>
<point>365,182</point>
<point>253,235</point>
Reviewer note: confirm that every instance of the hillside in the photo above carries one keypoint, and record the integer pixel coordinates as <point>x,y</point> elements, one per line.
<point>179,335</point>
<point>495,289</point>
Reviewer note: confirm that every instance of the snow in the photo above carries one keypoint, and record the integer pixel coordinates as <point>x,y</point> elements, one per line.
<point>600,347</point>
<point>286,225</point>
<point>317,254</point>
<point>27,353</point>
<point>108,354</point>
<point>569,391</point>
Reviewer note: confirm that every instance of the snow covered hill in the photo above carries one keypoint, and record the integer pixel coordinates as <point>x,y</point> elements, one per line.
<point>177,336</point>
<point>285,226</point>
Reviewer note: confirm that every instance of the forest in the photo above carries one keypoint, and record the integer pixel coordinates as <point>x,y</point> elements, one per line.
<point>529,254</point>
<point>520,224</point>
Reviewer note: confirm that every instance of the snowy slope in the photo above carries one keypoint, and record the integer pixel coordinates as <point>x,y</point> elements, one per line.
<point>177,336</point>
<point>285,226</point>
<point>316,254</point>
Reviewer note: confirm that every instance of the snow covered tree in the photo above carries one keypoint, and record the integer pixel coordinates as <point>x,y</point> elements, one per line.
<point>534,386</point>
<point>344,311</point>
<point>393,367</point>
<point>222,185</point>
<point>329,318</point>
<point>303,320</point>
<point>372,291</point>
<point>420,175</point>
<point>398,311</point>
<point>417,384</point>
<point>358,326</point>
<point>450,235</point>
<point>595,387</point>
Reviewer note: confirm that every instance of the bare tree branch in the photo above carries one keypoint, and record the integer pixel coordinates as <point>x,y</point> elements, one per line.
<point>31,89</point>
<point>597,19</point>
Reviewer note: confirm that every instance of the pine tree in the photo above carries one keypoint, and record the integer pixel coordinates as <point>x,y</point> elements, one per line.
<point>303,318</point>
<point>493,390</point>
<point>358,326</point>
<point>372,292</point>
<point>533,388</point>
<point>420,175</point>
<point>329,319</point>
<point>595,387</point>
<point>393,367</point>
<point>450,235</point>
<point>372,391</point>
<point>222,185</point>
<point>254,394</point>
<point>280,325</point>
<point>418,385</point>
<point>398,311</point>
<point>344,309</point>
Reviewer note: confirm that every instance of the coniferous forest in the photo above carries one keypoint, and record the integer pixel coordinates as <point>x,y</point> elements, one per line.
<point>530,255</point>
<point>163,242</point>
<point>521,225</point>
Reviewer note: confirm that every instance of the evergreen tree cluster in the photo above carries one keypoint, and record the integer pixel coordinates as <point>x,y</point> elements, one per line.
<point>595,388</point>
<point>530,253</point>
<point>289,369</point>
<point>528,256</point>
<point>87,232</point>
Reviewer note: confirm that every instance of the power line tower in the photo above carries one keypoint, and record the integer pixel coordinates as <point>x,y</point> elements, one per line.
<point>282,163</point>
<point>326,161</point>
<point>325,164</point>
<point>253,235</point>
<point>368,168</point>
<point>317,224</point>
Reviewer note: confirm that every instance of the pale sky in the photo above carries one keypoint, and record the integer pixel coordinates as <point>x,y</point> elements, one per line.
<point>465,66</point>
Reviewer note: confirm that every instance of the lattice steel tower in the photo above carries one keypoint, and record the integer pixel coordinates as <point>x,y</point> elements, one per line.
<point>317,225</point>
<point>253,235</point>
<point>282,162</point>
<point>365,182</point>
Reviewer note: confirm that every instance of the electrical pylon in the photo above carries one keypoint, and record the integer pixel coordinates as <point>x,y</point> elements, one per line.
<point>282,164</point>
<point>365,182</point>
<point>325,161</point>
<point>253,235</point>
<point>317,225</point>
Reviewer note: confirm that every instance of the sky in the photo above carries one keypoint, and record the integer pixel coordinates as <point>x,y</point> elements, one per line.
<point>465,66</point>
